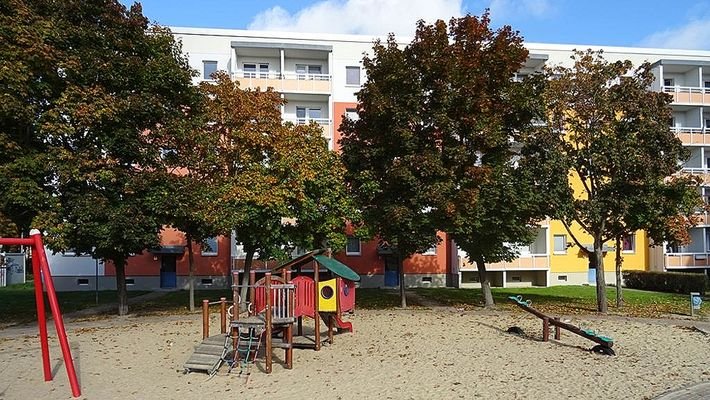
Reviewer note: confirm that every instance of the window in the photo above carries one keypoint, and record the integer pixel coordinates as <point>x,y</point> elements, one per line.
<point>668,82</point>
<point>249,70</point>
<point>208,68</point>
<point>560,244</point>
<point>209,247</point>
<point>263,71</point>
<point>352,76</point>
<point>304,71</point>
<point>305,114</point>
<point>82,282</point>
<point>430,251</point>
<point>706,84</point>
<point>352,248</point>
<point>130,281</point>
<point>351,114</point>
<point>562,278</point>
<point>629,243</point>
<point>206,281</point>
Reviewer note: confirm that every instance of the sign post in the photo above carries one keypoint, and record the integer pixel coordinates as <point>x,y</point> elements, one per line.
<point>695,302</point>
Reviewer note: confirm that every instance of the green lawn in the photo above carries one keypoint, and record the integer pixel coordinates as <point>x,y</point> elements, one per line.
<point>18,302</point>
<point>18,305</point>
<point>570,300</point>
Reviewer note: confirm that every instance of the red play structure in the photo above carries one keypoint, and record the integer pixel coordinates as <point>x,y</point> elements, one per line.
<point>272,316</point>
<point>42,275</point>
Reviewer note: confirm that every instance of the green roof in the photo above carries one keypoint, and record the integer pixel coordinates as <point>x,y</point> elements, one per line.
<point>337,268</point>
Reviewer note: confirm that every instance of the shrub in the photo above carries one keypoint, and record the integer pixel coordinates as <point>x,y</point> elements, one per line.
<point>671,282</point>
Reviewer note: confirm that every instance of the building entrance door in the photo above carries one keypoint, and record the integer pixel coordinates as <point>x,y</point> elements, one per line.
<point>168,271</point>
<point>391,271</point>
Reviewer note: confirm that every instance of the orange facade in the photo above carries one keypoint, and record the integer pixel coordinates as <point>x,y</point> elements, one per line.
<point>149,264</point>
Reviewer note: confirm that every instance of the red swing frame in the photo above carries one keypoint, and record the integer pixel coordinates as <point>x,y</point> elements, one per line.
<point>43,277</point>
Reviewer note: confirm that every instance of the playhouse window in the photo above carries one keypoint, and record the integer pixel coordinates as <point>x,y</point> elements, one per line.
<point>353,246</point>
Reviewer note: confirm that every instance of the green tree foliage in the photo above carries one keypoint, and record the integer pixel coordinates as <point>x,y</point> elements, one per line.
<point>94,83</point>
<point>265,170</point>
<point>432,148</point>
<point>607,132</point>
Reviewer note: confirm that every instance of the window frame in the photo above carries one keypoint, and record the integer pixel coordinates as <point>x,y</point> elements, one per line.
<point>205,75</point>
<point>632,240</point>
<point>359,79</point>
<point>347,246</point>
<point>210,253</point>
<point>554,244</point>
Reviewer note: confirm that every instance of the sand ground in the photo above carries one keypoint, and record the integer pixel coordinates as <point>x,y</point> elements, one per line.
<point>393,354</point>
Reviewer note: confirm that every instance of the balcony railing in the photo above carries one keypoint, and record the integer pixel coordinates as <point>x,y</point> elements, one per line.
<point>690,136</point>
<point>687,260</point>
<point>286,82</point>
<point>524,262</point>
<point>688,94</point>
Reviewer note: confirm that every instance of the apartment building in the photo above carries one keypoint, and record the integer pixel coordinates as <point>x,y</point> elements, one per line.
<point>319,74</point>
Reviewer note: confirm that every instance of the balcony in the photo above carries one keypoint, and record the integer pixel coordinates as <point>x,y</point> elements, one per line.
<point>688,94</point>
<point>284,83</point>
<point>692,136</point>
<point>524,262</point>
<point>325,123</point>
<point>687,260</point>
<point>703,173</point>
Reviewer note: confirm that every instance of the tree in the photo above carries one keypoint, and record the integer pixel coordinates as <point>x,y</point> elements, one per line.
<point>106,83</point>
<point>612,148</point>
<point>433,139</point>
<point>666,211</point>
<point>266,170</point>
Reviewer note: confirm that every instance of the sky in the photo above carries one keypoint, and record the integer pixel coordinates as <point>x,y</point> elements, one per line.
<point>683,24</point>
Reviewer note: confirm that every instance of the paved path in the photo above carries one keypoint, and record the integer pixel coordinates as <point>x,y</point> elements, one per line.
<point>698,391</point>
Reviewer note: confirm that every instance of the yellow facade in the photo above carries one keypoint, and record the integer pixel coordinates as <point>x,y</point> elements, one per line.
<point>573,259</point>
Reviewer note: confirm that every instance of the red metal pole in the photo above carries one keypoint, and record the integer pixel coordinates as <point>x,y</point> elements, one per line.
<point>17,242</point>
<point>41,316</point>
<point>56,312</point>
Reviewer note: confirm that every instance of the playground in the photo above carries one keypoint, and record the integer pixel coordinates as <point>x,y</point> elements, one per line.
<point>398,354</point>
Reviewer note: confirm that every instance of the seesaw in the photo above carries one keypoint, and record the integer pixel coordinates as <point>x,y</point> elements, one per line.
<point>604,343</point>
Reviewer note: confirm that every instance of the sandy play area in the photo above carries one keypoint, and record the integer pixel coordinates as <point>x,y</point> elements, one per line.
<point>395,354</point>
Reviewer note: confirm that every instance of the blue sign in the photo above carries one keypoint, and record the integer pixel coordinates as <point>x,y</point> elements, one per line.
<point>697,301</point>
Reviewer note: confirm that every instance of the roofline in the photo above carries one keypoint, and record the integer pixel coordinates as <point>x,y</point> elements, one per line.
<point>533,47</point>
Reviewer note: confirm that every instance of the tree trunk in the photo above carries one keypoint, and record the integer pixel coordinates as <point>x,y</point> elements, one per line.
<point>619,261</point>
<point>245,277</point>
<point>191,271</point>
<point>121,288</point>
<point>601,282</point>
<point>402,294</point>
<point>485,283</point>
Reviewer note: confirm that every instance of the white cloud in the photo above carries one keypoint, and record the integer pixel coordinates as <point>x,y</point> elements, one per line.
<point>505,9</point>
<point>693,35</point>
<point>367,17</point>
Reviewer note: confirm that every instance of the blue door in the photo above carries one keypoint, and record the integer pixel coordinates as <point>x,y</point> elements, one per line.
<point>168,274</point>
<point>391,271</point>
<point>592,276</point>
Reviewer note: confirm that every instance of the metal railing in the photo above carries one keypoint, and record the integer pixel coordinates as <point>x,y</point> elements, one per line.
<point>685,89</point>
<point>306,121</point>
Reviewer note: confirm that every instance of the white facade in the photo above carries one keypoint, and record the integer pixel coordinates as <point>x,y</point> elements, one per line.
<point>316,73</point>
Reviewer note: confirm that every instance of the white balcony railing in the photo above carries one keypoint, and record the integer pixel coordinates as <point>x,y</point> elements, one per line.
<point>284,82</point>
<point>685,129</point>
<point>688,94</point>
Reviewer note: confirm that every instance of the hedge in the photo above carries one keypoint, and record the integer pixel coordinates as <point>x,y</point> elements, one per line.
<point>671,282</point>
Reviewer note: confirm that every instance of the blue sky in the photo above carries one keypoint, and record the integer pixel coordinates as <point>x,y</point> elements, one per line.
<point>650,23</point>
